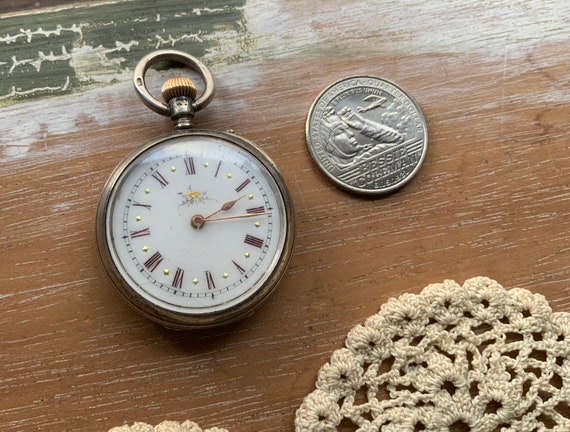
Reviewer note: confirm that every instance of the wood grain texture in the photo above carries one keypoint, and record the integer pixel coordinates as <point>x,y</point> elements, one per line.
<point>492,198</point>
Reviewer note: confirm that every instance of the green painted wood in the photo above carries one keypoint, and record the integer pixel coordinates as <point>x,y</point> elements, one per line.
<point>61,51</point>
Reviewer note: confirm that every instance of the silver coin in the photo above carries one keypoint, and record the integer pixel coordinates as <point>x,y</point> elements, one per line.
<point>367,135</point>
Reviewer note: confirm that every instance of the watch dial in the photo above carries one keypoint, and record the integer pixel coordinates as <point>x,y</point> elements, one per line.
<point>196,224</point>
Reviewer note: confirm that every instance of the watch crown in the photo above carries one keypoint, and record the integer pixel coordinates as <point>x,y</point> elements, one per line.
<point>178,86</point>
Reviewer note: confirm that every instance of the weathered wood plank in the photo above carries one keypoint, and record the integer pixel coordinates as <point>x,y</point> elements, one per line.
<point>492,198</point>
<point>65,50</point>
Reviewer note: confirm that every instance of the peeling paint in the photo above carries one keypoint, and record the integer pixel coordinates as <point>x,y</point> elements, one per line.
<point>68,50</point>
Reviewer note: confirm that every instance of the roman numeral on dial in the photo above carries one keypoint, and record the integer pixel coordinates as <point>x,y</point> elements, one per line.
<point>178,278</point>
<point>240,268</point>
<point>218,169</point>
<point>243,185</point>
<point>253,241</point>
<point>146,206</point>
<point>210,280</point>
<point>160,179</point>
<point>154,261</point>
<point>260,209</point>
<point>140,233</point>
<point>190,168</point>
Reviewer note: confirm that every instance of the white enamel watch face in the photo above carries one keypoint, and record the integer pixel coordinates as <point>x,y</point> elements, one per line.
<point>195,229</point>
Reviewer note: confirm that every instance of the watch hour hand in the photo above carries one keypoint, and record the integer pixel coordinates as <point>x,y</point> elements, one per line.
<point>225,206</point>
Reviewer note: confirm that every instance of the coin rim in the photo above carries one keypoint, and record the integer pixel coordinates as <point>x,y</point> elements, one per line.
<point>354,189</point>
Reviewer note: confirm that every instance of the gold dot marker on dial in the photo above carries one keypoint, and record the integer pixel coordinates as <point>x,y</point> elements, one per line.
<point>257,224</point>
<point>195,281</point>
<point>145,248</point>
<point>250,196</point>
<point>206,164</point>
<point>147,191</point>
<point>138,218</point>
<point>229,175</point>
<point>225,275</point>
<point>166,272</point>
<point>247,255</point>
<point>173,168</point>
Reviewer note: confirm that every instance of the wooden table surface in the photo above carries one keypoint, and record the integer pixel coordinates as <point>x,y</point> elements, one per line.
<point>492,198</point>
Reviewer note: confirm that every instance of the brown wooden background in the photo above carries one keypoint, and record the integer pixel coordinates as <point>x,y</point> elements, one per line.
<point>492,198</point>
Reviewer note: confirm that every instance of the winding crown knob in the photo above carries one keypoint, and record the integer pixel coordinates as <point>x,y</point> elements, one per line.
<point>178,86</point>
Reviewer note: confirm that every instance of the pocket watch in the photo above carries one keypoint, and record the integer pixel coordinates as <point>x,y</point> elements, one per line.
<point>194,229</point>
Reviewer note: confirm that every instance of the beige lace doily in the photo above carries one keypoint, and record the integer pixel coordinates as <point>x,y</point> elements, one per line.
<point>165,426</point>
<point>471,358</point>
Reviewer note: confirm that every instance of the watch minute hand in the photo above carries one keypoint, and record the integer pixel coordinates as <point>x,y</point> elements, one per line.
<point>240,216</point>
<point>198,221</point>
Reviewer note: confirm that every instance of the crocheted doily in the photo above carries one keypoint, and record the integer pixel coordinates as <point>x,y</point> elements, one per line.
<point>471,358</point>
<point>165,426</point>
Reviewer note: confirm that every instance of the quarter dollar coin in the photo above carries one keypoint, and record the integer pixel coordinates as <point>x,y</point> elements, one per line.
<point>367,135</point>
